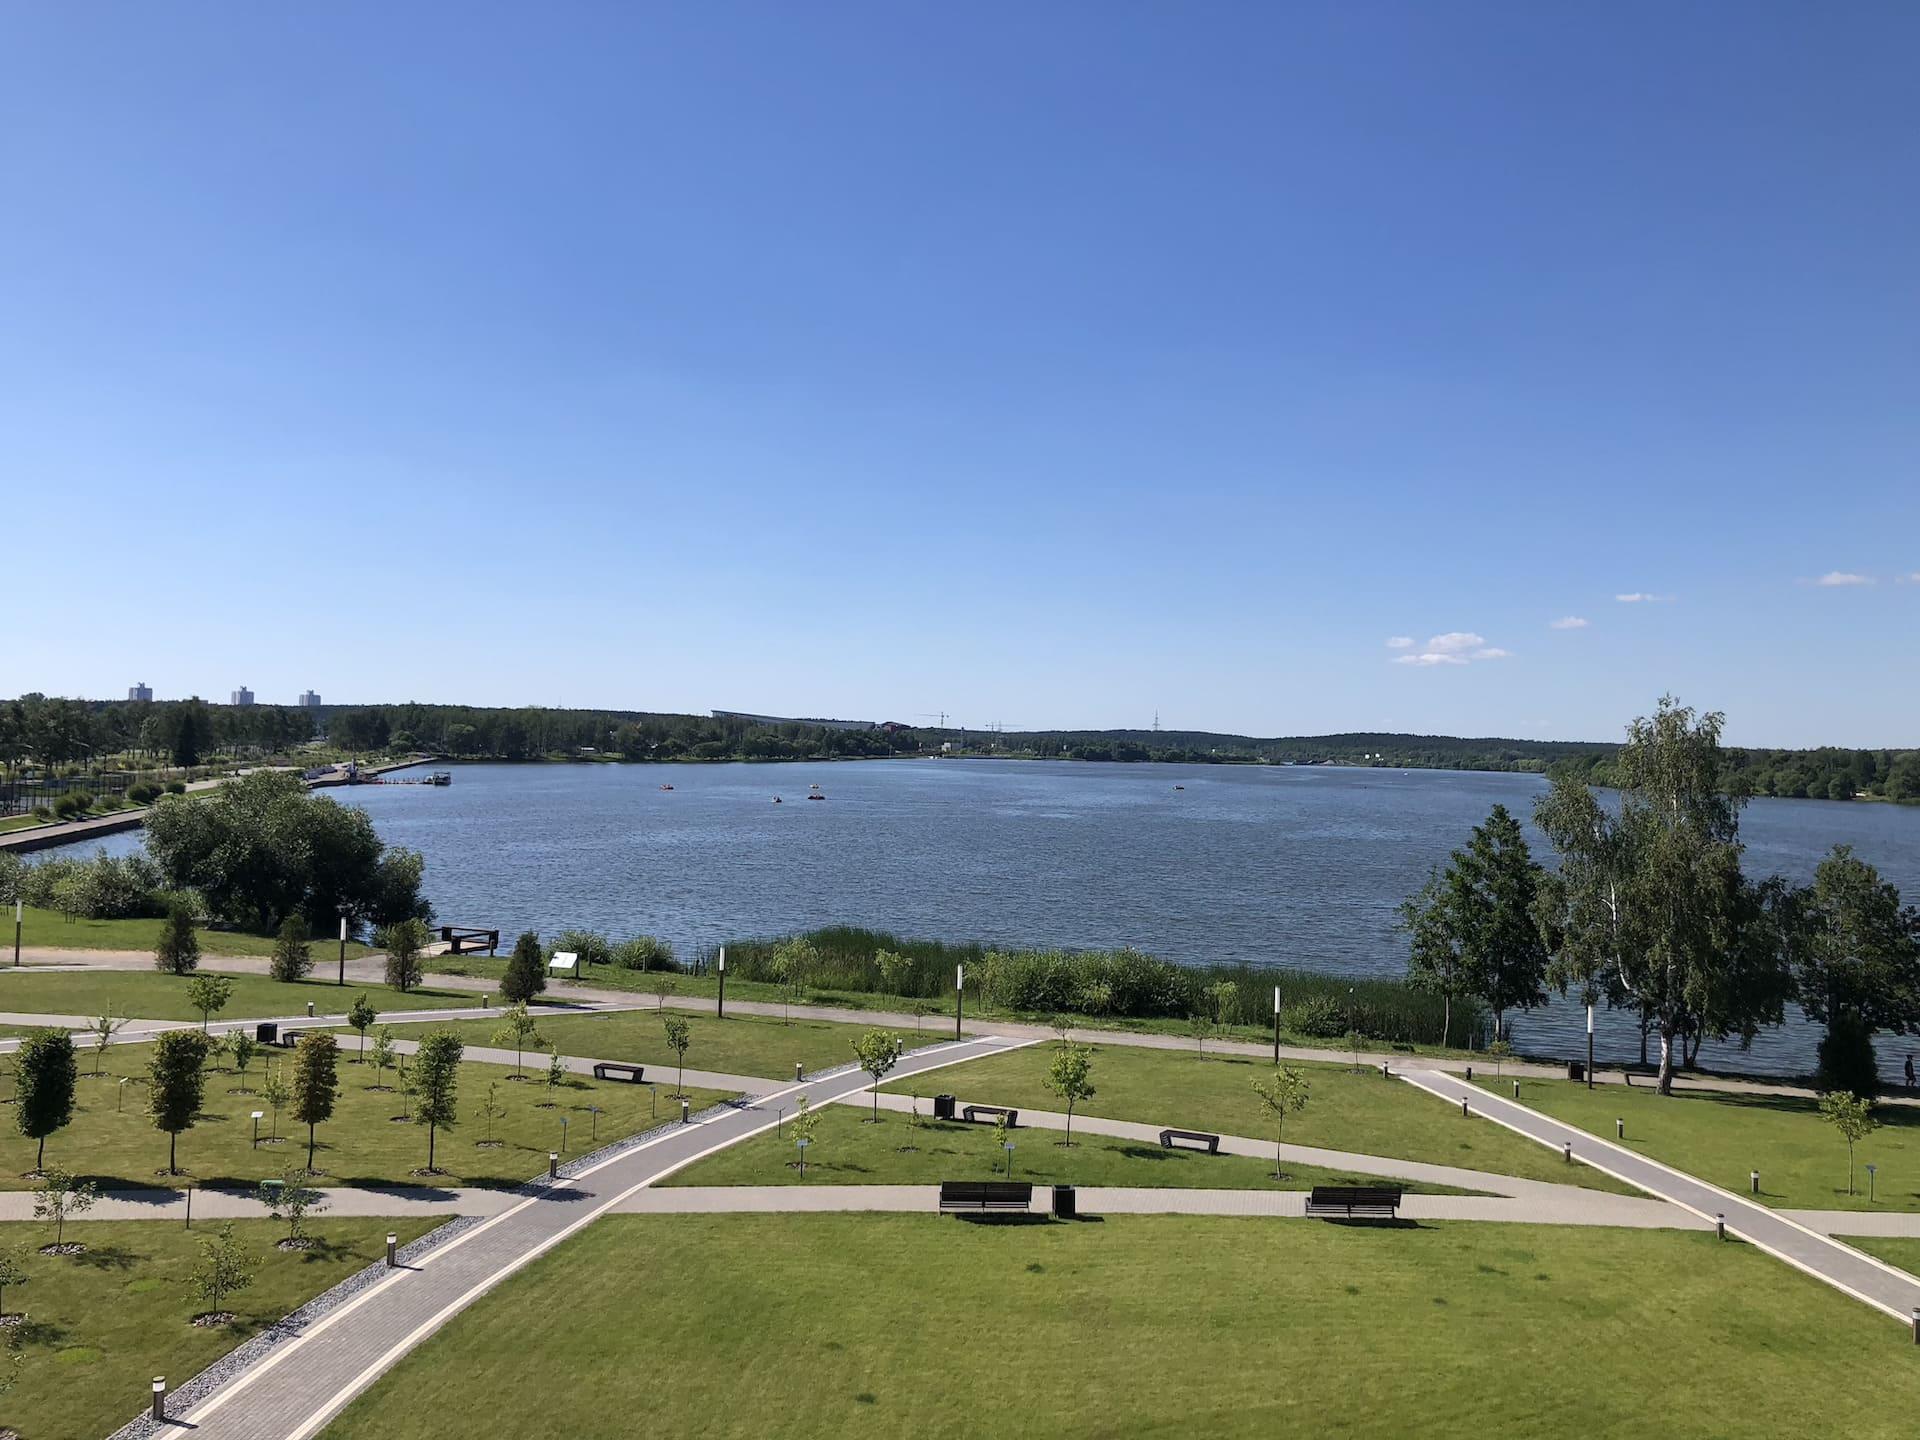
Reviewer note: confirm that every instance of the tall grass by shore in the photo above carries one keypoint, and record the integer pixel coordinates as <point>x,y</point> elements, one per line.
<point>1118,984</point>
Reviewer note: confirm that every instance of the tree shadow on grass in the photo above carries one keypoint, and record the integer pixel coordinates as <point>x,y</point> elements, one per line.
<point>107,1257</point>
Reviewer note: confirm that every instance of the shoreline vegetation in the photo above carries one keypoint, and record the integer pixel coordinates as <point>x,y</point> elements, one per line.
<point>49,746</point>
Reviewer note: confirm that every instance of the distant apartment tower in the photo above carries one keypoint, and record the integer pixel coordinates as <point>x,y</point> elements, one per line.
<point>310,699</point>
<point>242,696</point>
<point>141,691</point>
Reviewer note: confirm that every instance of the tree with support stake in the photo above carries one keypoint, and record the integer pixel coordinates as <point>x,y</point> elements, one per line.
<point>1070,1076</point>
<point>224,1269</point>
<point>175,1086</point>
<point>361,1015</point>
<point>59,1197</point>
<point>875,1051</point>
<point>105,1027</point>
<point>679,1037</point>
<point>1852,1116</point>
<point>520,1030</point>
<point>436,1077</point>
<point>209,995</point>
<point>1283,1093</point>
<point>315,1083</point>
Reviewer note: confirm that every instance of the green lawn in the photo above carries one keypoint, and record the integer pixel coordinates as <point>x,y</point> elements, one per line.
<point>847,1150</point>
<point>1720,1136</point>
<point>150,995</point>
<point>112,1140</point>
<point>1349,1110</point>
<point>738,1045</point>
<point>50,930</point>
<point>1901,1250</point>
<point>101,1325</point>
<point>885,1325</point>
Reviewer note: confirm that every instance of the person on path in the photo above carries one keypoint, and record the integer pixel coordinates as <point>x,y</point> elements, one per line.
<point>1909,1072</point>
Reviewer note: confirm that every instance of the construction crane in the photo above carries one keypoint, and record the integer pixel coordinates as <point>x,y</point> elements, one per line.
<point>939,715</point>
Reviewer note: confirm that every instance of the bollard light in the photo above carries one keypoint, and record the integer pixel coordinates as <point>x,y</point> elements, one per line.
<point>1384,1072</point>
<point>563,1134</point>
<point>1516,1089</point>
<point>1620,1129</point>
<point>1916,1324</point>
<point>686,1111</point>
<point>393,1244</point>
<point>797,1072</point>
<point>1469,1074</point>
<point>160,1386</point>
<point>1463,1107</point>
<point>1566,1149</point>
<point>309,1009</point>
<point>1720,1226</point>
<point>1753,1181</point>
<point>1870,1170</point>
<point>553,1164</point>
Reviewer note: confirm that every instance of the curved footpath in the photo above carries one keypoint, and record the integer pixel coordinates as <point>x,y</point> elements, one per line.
<point>1860,1275</point>
<point>347,1349</point>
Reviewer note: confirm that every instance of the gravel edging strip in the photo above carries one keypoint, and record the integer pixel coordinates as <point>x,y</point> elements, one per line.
<point>257,1347</point>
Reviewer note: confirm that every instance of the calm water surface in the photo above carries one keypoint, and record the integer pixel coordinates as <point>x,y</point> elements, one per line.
<point>1277,865</point>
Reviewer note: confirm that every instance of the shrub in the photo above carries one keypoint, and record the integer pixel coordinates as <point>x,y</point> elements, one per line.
<point>142,793</point>
<point>1317,1016</point>
<point>176,787</point>
<point>644,952</point>
<point>590,945</point>
<point>1846,1058</point>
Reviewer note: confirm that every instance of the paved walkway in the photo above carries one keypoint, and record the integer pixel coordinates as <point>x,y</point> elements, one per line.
<point>349,1348</point>
<point>1851,1271</point>
<point>1616,1210</point>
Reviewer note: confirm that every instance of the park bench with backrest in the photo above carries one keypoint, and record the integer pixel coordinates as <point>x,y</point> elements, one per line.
<point>1198,1137</point>
<point>613,1070</point>
<point>1354,1202</point>
<point>983,1197</point>
<point>986,1114</point>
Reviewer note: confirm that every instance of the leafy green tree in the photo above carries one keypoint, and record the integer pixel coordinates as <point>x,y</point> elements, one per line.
<point>381,1056</point>
<point>316,1080</point>
<point>1856,964</point>
<point>526,972</point>
<point>893,969</point>
<point>1223,999</point>
<point>520,1030</point>
<point>679,1037</point>
<point>277,1093</point>
<point>662,983</point>
<point>361,1015</point>
<point>224,1269</point>
<point>178,950</point>
<point>209,995</point>
<point>1852,1116</point>
<point>1070,1076</point>
<point>1285,1092</point>
<point>436,1075</point>
<point>1201,1027</point>
<point>59,1196</point>
<point>404,940</point>
<point>1500,1050</point>
<point>241,1049</point>
<point>877,1054</point>
<point>13,1272</point>
<point>176,1083</point>
<point>1649,901</point>
<point>556,1070</point>
<point>45,1075</point>
<point>291,1199</point>
<point>804,1125</point>
<point>793,964</point>
<point>292,955</point>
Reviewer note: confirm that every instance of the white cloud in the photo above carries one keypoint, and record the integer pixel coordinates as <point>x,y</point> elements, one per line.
<point>1568,622</point>
<point>1641,597</point>
<point>1400,642</point>
<point>1456,647</point>
<point>1834,579</point>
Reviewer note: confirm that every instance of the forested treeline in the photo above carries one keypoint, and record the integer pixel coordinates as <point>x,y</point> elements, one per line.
<point>1826,774</point>
<point>54,731</point>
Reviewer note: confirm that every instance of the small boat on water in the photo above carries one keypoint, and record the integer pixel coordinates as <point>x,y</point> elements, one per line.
<point>666,787</point>
<point>1179,787</point>
<point>776,799</point>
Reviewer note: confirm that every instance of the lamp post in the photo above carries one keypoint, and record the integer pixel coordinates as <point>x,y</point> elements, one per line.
<point>1276,1024</point>
<point>343,948</point>
<point>720,1009</point>
<point>959,990</point>
<point>18,912</point>
<point>1589,1045</point>
<point>563,1134</point>
<point>393,1244</point>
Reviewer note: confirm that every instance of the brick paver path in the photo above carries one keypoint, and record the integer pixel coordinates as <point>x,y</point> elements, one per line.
<point>298,1386</point>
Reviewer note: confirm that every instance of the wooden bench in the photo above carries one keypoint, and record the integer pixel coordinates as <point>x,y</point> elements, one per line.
<point>973,1115</point>
<point>1198,1137</point>
<point>1355,1202</point>
<point>289,1038</point>
<point>613,1070</point>
<point>983,1197</point>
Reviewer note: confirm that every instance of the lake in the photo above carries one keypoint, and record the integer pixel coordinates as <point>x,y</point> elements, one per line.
<point>1279,865</point>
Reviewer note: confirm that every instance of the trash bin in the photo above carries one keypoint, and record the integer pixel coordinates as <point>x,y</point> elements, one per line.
<point>1063,1208</point>
<point>943,1107</point>
<point>1576,1070</point>
<point>267,1032</point>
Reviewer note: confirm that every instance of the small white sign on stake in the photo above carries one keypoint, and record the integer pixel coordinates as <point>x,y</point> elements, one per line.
<point>564,962</point>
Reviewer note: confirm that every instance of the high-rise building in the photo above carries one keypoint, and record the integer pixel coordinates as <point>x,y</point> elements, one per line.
<point>242,696</point>
<point>140,691</point>
<point>310,699</point>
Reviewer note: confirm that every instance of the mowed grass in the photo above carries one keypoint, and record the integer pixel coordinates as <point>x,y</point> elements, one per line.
<point>848,1149</point>
<point>1901,1250</point>
<point>738,1045</point>
<point>101,1325</point>
<point>150,995</point>
<point>364,1143</point>
<point>50,930</point>
<point>1721,1136</point>
<point>1357,1111</point>
<point>887,1325</point>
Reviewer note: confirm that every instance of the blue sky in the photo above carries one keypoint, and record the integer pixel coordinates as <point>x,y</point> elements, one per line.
<point>1046,364</point>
